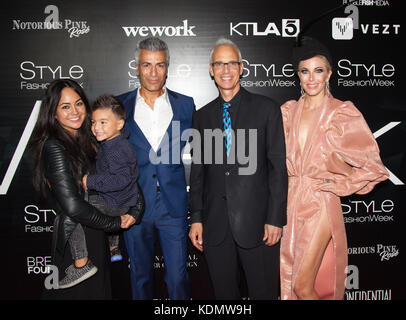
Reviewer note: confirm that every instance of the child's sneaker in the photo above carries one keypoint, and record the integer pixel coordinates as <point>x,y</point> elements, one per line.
<point>116,255</point>
<point>76,275</point>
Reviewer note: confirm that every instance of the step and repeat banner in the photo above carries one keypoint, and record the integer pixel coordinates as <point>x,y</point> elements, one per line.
<point>93,42</point>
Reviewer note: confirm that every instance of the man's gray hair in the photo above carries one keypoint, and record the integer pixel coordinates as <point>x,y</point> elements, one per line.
<point>151,44</point>
<point>225,42</point>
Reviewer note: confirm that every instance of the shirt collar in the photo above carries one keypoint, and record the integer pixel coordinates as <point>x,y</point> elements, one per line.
<point>123,135</point>
<point>163,96</point>
<point>234,101</point>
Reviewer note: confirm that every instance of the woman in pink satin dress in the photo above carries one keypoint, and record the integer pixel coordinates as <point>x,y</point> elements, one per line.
<point>330,153</point>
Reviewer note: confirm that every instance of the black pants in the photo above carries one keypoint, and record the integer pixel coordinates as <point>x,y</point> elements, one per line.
<point>77,240</point>
<point>260,266</point>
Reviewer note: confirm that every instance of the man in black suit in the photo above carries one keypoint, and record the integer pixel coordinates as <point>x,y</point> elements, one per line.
<point>238,207</point>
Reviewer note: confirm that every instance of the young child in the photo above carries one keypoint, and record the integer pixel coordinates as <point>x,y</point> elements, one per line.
<point>115,181</point>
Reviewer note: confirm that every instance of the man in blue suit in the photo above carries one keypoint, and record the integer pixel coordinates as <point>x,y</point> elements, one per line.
<point>156,119</point>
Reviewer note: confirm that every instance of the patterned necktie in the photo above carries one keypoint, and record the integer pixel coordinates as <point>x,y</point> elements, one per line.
<point>227,127</point>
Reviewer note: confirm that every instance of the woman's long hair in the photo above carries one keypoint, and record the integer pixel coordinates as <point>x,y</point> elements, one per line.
<point>80,149</point>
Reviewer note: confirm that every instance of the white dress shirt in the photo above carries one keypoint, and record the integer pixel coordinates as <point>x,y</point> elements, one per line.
<point>153,122</point>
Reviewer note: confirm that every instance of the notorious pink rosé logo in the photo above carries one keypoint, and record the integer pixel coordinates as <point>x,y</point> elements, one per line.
<point>53,22</point>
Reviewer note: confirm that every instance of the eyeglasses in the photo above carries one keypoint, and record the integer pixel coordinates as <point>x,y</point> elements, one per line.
<point>222,65</point>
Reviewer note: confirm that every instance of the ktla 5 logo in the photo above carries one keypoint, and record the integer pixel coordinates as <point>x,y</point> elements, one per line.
<point>290,28</point>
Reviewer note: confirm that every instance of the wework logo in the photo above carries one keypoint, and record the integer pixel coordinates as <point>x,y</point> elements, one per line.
<point>157,31</point>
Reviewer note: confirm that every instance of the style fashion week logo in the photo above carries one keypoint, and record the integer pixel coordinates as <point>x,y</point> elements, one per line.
<point>38,220</point>
<point>175,71</point>
<point>52,22</point>
<point>36,76</point>
<point>362,74</point>
<point>258,74</point>
<point>369,211</point>
<point>183,30</point>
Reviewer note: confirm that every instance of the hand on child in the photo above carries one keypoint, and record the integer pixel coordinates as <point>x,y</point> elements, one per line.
<point>84,180</point>
<point>127,221</point>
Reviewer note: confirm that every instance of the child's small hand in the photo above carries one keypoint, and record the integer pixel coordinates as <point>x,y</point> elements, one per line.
<point>84,180</point>
<point>127,221</point>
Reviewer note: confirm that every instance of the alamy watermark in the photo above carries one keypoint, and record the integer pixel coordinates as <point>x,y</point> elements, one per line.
<point>351,282</point>
<point>52,281</point>
<point>352,279</point>
<point>243,153</point>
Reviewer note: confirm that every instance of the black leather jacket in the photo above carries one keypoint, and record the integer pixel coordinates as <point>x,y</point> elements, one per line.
<point>67,200</point>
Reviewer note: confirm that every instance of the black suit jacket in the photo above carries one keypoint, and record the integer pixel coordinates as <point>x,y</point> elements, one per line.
<point>220,195</point>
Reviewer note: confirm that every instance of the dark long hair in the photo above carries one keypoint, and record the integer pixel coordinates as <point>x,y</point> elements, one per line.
<point>80,149</point>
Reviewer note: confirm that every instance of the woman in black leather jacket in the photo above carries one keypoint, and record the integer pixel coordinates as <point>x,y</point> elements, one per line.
<point>64,152</point>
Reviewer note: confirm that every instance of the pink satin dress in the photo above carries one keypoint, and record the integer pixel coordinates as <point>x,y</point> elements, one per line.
<point>341,148</point>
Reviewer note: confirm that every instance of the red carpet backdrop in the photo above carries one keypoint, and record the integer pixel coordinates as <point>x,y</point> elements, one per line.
<point>94,42</point>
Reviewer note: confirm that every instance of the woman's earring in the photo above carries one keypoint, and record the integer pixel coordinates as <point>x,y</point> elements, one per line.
<point>302,92</point>
<point>327,88</point>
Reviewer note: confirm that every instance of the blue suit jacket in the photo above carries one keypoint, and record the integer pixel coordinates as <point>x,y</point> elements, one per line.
<point>169,171</point>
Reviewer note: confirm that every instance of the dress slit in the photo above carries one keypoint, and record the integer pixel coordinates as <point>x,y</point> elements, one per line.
<point>324,282</point>
<point>338,128</point>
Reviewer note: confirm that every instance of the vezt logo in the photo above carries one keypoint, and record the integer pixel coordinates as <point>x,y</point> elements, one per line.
<point>343,28</point>
<point>157,31</point>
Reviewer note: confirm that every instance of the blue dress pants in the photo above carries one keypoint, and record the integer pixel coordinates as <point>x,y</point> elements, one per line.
<point>140,242</point>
